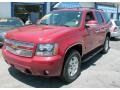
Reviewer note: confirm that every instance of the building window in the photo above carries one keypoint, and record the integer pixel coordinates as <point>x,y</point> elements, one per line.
<point>28,10</point>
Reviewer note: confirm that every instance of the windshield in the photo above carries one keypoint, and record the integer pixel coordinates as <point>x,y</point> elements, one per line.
<point>67,18</point>
<point>10,22</point>
<point>117,23</point>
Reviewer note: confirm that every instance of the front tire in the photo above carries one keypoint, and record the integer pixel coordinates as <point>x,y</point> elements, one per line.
<point>72,66</point>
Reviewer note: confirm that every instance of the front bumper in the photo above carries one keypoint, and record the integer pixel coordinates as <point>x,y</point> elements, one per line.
<point>42,66</point>
<point>115,34</point>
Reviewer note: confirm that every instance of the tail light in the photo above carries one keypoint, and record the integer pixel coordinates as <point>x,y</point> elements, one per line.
<point>115,29</point>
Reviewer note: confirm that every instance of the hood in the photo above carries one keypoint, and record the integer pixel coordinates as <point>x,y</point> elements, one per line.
<point>4,30</point>
<point>37,33</point>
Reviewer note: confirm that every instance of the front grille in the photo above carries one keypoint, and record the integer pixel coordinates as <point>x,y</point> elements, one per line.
<point>13,47</point>
<point>19,43</point>
<point>19,51</point>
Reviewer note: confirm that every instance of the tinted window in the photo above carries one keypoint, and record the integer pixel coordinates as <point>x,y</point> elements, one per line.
<point>117,23</point>
<point>99,17</point>
<point>10,22</point>
<point>106,17</point>
<point>61,18</point>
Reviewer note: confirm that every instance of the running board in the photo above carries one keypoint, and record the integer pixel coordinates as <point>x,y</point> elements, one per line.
<point>92,55</point>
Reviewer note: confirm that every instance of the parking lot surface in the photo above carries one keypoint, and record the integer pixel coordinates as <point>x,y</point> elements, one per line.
<point>100,71</point>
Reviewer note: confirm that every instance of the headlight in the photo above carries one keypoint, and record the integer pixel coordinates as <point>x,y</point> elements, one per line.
<point>47,49</point>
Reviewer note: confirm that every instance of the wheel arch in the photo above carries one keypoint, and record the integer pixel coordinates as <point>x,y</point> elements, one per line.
<point>77,47</point>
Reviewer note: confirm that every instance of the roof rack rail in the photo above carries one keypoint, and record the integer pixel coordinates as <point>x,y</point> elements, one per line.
<point>91,8</point>
<point>81,8</point>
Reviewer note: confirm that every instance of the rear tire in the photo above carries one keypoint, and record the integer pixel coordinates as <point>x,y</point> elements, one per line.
<point>72,66</point>
<point>106,45</point>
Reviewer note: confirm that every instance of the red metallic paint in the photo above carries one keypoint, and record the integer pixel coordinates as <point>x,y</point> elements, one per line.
<point>65,37</point>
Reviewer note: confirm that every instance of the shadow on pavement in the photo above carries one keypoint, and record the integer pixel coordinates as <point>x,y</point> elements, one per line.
<point>41,82</point>
<point>36,81</point>
<point>91,62</point>
<point>115,39</point>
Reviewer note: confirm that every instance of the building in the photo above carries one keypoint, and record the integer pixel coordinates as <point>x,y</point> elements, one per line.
<point>111,8</point>
<point>5,9</point>
<point>24,10</point>
<point>36,10</point>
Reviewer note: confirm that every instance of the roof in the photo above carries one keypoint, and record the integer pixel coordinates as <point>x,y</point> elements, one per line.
<point>78,9</point>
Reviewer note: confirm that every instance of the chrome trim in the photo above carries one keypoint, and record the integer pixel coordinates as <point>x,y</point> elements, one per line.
<point>23,50</point>
<point>14,47</point>
<point>73,66</point>
<point>19,43</point>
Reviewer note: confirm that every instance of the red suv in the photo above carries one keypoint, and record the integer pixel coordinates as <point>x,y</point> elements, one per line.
<point>59,43</point>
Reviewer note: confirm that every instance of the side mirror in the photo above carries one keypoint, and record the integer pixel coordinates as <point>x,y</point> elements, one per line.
<point>91,23</point>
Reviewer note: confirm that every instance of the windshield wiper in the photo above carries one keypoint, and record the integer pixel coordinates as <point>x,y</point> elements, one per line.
<point>54,24</point>
<point>65,25</point>
<point>44,23</point>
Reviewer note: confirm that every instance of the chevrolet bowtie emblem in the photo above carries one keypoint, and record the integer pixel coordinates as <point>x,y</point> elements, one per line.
<point>13,46</point>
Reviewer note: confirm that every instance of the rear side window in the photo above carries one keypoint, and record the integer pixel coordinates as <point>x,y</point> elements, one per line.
<point>99,17</point>
<point>106,17</point>
<point>117,23</point>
